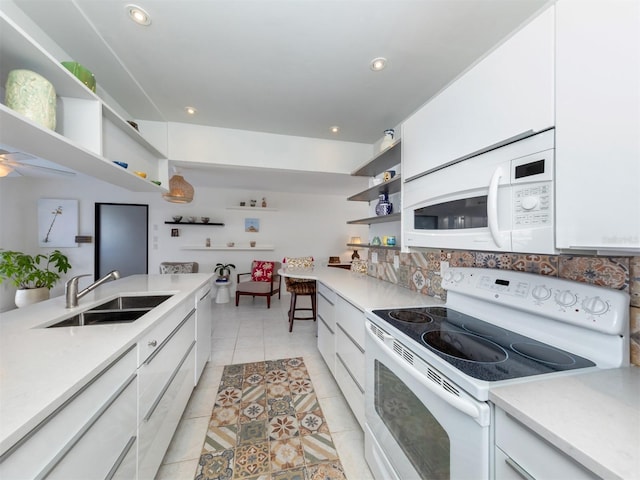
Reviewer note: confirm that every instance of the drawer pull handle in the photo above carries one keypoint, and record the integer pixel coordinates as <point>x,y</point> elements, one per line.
<point>152,343</point>
<point>518,469</point>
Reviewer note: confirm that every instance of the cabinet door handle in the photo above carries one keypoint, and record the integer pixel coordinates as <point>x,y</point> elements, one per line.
<point>121,458</point>
<point>518,469</point>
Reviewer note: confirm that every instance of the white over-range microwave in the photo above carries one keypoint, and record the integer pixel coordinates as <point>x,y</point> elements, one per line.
<point>500,200</point>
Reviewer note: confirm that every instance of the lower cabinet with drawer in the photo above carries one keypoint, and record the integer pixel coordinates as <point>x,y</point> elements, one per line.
<point>350,362</point>
<point>165,383</point>
<point>521,453</point>
<point>91,435</point>
<point>327,325</point>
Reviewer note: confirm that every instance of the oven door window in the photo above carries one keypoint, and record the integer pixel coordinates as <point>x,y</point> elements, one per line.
<point>453,215</point>
<point>414,428</point>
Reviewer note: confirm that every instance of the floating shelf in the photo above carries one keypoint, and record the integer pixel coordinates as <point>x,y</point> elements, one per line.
<point>394,217</point>
<point>381,162</point>
<point>211,224</point>
<point>254,209</point>
<point>369,245</point>
<point>389,187</point>
<point>224,247</point>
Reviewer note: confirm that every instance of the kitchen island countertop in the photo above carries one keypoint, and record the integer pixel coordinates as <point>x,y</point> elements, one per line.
<point>592,417</point>
<point>40,367</point>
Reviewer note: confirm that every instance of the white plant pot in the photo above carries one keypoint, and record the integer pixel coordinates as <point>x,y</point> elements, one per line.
<point>28,296</point>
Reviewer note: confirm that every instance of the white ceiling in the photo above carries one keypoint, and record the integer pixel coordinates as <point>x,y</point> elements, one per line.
<point>292,67</point>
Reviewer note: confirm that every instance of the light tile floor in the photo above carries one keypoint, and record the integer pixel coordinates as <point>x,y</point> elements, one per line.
<point>251,333</point>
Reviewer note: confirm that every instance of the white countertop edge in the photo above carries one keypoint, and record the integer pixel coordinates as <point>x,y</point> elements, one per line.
<point>561,411</point>
<point>28,408</point>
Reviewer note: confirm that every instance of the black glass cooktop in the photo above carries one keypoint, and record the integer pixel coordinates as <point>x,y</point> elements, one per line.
<point>478,348</point>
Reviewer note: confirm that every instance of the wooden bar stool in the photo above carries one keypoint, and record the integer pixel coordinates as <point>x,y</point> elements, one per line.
<point>300,287</point>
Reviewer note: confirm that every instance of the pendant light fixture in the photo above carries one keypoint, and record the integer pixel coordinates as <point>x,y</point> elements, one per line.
<point>180,191</point>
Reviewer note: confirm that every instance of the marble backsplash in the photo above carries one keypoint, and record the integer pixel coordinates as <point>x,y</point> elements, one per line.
<point>420,271</point>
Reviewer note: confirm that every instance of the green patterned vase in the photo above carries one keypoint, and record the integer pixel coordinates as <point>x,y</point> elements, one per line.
<point>33,96</point>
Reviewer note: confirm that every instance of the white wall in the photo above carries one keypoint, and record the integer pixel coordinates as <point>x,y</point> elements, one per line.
<point>303,224</point>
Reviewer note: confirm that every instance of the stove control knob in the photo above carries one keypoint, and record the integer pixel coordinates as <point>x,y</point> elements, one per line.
<point>595,306</point>
<point>448,276</point>
<point>566,298</point>
<point>541,292</point>
<point>457,277</point>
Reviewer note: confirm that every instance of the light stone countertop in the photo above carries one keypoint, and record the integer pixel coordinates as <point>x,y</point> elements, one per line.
<point>40,368</point>
<point>592,417</point>
<point>363,291</point>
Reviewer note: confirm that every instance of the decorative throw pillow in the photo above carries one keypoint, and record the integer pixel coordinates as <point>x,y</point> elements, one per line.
<point>261,271</point>
<point>299,262</point>
<point>181,268</point>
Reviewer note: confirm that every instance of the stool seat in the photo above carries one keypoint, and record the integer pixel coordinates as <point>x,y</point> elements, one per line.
<point>299,287</point>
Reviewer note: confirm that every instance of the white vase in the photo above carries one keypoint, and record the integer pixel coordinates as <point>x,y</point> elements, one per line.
<point>28,296</point>
<point>387,141</point>
<point>33,96</point>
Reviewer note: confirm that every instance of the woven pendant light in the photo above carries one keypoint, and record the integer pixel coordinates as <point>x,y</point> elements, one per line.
<point>180,191</point>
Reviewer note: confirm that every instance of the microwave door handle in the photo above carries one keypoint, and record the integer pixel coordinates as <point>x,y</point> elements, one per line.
<point>492,206</point>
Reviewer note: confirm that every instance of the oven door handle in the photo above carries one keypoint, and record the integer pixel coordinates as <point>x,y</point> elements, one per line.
<point>492,207</point>
<point>461,404</point>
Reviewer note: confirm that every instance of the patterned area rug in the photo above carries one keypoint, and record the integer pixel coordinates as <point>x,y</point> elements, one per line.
<point>267,424</point>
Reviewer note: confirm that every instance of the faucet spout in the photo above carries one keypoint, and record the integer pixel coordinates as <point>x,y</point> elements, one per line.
<point>71,287</point>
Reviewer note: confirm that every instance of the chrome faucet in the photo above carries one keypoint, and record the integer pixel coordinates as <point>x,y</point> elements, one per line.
<point>71,287</point>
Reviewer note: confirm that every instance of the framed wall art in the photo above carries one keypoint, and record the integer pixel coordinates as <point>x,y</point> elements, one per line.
<point>252,225</point>
<point>57,222</point>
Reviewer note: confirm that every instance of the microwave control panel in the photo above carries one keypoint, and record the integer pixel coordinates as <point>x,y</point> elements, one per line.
<point>532,205</point>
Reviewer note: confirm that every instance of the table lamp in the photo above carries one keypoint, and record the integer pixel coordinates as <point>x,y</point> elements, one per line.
<point>355,241</point>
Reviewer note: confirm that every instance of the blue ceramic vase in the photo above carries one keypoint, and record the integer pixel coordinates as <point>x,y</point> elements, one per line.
<point>384,206</point>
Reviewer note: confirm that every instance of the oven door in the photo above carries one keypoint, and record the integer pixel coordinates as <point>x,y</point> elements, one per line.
<point>418,423</point>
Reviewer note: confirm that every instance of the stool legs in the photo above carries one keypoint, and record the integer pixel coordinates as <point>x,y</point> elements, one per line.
<point>292,309</point>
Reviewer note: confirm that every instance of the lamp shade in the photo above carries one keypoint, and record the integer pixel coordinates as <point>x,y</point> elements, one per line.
<point>180,191</point>
<point>356,240</point>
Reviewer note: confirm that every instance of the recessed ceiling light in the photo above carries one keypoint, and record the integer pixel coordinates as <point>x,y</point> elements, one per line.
<point>138,15</point>
<point>190,110</point>
<point>378,64</point>
<point>334,129</point>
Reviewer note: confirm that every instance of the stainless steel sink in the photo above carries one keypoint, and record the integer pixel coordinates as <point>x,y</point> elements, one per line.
<point>134,301</point>
<point>123,309</point>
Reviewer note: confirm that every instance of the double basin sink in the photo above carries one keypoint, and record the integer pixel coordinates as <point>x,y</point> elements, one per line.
<point>122,309</point>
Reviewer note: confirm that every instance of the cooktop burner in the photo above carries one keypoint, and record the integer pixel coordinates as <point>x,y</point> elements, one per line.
<point>478,348</point>
<point>410,316</point>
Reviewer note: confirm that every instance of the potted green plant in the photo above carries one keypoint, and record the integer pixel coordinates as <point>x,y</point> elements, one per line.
<point>223,270</point>
<point>33,275</point>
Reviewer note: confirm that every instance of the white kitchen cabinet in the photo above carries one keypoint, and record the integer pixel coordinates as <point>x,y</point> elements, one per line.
<point>165,383</point>
<point>327,325</point>
<point>507,93</point>
<point>521,453</point>
<point>204,314</point>
<point>87,435</point>
<point>89,134</point>
<point>598,125</point>
<point>350,361</point>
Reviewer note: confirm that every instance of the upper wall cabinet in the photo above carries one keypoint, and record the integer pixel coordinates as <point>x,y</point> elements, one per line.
<point>507,93</point>
<point>89,134</point>
<point>598,125</point>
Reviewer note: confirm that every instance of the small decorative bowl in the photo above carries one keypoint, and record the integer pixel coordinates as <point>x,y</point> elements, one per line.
<point>82,73</point>
<point>204,219</point>
<point>122,164</point>
<point>140,174</point>
<point>230,244</point>
<point>191,219</point>
<point>177,218</point>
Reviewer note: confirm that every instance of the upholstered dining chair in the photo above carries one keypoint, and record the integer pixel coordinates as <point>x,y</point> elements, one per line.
<point>262,281</point>
<point>179,267</point>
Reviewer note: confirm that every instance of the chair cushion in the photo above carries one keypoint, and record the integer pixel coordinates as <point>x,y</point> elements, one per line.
<point>261,271</point>
<point>299,262</point>
<point>254,287</point>
<point>177,268</point>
